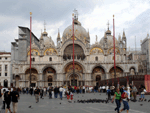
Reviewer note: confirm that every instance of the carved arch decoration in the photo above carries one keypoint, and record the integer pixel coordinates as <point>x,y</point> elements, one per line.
<point>34,52</point>
<point>49,74</point>
<point>96,50</point>
<point>77,67</point>
<point>119,72</point>
<point>34,74</point>
<point>111,50</point>
<point>50,51</point>
<point>98,71</point>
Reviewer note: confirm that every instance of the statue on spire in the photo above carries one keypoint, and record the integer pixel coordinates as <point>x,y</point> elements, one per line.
<point>75,14</point>
<point>44,26</point>
<point>108,24</point>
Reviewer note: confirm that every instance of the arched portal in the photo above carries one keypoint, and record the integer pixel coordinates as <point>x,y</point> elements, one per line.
<point>98,74</point>
<point>119,72</point>
<point>49,75</point>
<point>33,78</point>
<point>5,83</point>
<point>77,75</point>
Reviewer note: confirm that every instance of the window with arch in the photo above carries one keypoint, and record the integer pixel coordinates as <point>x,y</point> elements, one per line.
<point>50,59</point>
<point>33,59</point>
<point>96,58</point>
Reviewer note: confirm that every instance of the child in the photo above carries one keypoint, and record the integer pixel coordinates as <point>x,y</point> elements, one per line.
<point>71,96</point>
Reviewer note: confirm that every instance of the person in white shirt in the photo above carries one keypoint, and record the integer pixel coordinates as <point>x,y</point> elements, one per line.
<point>60,92</point>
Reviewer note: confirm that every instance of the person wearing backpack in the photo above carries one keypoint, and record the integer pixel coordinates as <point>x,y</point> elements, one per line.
<point>117,97</point>
<point>15,96</point>
<point>7,98</point>
<point>124,98</point>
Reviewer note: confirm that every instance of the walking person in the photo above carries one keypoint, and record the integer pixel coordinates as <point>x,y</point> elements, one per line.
<point>7,98</point>
<point>37,93</point>
<point>117,97</point>
<point>134,90</point>
<point>15,97</point>
<point>60,92</point>
<point>125,101</point>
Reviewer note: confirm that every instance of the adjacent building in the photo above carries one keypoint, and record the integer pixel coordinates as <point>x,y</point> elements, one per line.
<point>5,69</point>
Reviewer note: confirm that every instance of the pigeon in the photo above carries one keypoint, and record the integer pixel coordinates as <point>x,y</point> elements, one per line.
<point>29,106</point>
<point>148,100</point>
<point>141,104</point>
<point>60,102</point>
<point>145,100</point>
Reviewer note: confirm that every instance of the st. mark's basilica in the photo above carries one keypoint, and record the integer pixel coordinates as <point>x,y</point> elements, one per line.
<point>52,65</point>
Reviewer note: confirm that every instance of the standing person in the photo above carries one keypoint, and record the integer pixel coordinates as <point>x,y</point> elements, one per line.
<point>15,96</point>
<point>142,94</point>
<point>7,98</point>
<point>37,93</point>
<point>109,93</point>
<point>41,92</point>
<point>117,97</point>
<point>31,91</point>
<point>50,92</point>
<point>121,89</point>
<point>128,91</point>
<point>44,91</point>
<point>134,90</point>
<point>55,92</point>
<point>2,93</point>
<point>125,101</point>
<point>83,89</point>
<point>60,92</point>
<point>27,89</point>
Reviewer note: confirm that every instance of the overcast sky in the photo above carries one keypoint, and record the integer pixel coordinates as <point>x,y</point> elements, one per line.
<point>131,15</point>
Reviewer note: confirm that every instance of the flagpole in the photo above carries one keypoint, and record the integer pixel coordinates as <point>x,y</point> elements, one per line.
<point>114,48</point>
<point>30,44</point>
<point>73,49</point>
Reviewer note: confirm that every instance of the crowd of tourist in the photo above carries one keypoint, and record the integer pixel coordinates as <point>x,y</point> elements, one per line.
<point>121,93</point>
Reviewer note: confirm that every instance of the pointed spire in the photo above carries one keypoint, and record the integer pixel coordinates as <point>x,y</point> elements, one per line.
<point>88,34</point>
<point>96,39</point>
<point>124,34</point>
<point>44,26</point>
<point>108,24</point>
<point>119,38</point>
<point>147,35</point>
<point>58,36</point>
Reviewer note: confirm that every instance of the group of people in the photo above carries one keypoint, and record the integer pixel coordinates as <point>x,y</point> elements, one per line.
<point>9,95</point>
<point>125,94</point>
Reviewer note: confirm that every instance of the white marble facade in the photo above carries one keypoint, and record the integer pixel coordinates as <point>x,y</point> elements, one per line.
<point>52,64</point>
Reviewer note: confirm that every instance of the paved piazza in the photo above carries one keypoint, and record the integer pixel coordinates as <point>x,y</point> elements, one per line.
<point>53,105</point>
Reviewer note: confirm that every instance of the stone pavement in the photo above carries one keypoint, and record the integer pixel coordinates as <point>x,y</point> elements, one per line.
<point>62,106</point>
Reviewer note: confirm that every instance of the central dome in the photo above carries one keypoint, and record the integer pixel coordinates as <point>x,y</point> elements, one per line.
<point>79,31</point>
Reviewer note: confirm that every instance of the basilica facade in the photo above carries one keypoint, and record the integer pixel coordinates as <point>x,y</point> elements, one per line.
<point>52,64</point>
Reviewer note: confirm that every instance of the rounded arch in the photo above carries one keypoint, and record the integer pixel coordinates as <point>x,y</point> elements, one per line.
<point>50,51</point>
<point>116,67</point>
<point>75,42</point>
<point>132,67</point>
<point>48,66</point>
<point>68,63</point>
<point>33,70</point>
<point>34,52</point>
<point>119,72</point>
<point>70,74</point>
<point>96,48</point>
<point>98,65</point>
<point>28,68</point>
<point>111,50</point>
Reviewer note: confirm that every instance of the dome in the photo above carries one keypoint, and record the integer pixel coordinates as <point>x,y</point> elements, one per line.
<point>48,41</point>
<point>109,40</point>
<point>79,32</point>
